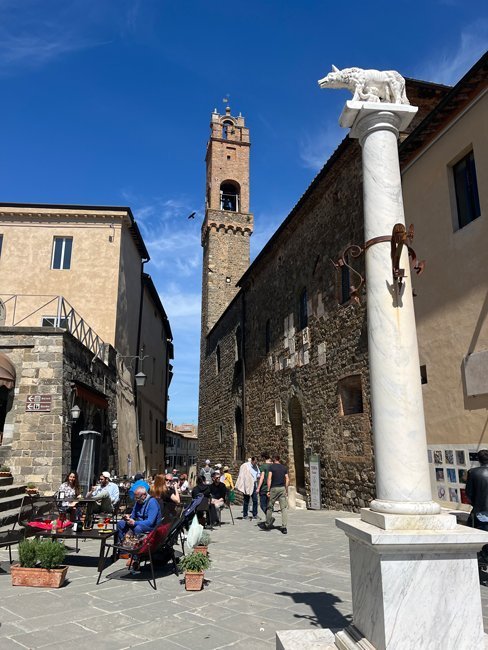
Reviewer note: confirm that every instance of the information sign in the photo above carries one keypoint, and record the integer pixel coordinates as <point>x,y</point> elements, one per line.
<point>315,482</point>
<point>39,403</point>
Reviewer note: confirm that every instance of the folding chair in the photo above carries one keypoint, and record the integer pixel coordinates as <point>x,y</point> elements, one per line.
<point>219,513</point>
<point>204,506</point>
<point>159,541</point>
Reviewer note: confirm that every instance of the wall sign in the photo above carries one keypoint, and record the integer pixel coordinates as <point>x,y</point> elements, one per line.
<point>315,482</point>
<point>38,403</point>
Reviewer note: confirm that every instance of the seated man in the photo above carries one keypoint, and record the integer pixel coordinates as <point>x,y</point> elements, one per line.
<point>218,493</point>
<point>106,494</point>
<point>145,515</point>
<point>138,482</point>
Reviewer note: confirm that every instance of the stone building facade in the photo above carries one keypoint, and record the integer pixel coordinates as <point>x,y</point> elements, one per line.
<point>284,369</point>
<point>87,275</point>
<point>39,444</point>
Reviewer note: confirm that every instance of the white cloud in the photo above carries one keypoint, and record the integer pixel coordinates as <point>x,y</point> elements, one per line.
<point>33,33</point>
<point>316,148</point>
<point>448,67</point>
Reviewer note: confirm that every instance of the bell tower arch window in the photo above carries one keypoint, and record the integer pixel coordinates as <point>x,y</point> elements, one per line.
<point>226,129</point>
<point>229,196</point>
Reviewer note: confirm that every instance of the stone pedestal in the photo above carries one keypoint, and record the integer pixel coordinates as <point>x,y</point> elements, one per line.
<point>413,588</point>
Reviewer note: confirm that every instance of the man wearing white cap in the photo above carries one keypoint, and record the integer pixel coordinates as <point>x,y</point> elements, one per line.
<point>105,493</point>
<point>206,473</point>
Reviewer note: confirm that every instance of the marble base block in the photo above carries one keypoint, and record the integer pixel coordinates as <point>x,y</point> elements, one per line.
<point>408,522</point>
<point>414,588</point>
<point>300,639</point>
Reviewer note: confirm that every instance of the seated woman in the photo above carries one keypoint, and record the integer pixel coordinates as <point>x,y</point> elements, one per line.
<point>69,490</point>
<point>168,497</point>
<point>184,486</point>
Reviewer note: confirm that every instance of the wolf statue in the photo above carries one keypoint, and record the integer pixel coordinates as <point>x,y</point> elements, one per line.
<point>368,85</point>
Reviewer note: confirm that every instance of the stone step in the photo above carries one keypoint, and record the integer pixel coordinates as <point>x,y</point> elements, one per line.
<point>6,480</point>
<point>10,502</point>
<point>8,517</point>
<point>11,491</point>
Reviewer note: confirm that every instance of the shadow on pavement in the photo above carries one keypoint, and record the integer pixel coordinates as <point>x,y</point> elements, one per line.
<point>322,604</point>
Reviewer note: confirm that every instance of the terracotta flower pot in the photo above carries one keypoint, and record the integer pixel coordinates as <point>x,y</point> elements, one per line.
<point>201,549</point>
<point>5,474</point>
<point>37,577</point>
<point>32,491</point>
<point>194,580</point>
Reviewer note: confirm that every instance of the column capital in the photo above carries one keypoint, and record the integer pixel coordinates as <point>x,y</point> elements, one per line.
<point>365,117</point>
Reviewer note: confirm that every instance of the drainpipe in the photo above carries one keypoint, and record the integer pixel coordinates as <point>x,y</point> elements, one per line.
<point>243,362</point>
<point>138,352</point>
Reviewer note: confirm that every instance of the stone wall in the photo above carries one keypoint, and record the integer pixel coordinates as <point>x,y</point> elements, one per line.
<point>303,366</point>
<point>37,445</point>
<point>221,392</point>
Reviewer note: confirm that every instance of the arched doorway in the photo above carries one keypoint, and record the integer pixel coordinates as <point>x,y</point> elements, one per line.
<point>295,448</point>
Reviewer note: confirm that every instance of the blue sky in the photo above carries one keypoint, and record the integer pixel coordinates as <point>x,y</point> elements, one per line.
<point>109,102</point>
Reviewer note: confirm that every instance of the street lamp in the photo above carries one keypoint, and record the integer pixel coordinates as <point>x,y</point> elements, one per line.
<point>75,413</point>
<point>140,379</point>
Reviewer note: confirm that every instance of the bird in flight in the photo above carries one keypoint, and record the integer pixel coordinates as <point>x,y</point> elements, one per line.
<point>192,215</point>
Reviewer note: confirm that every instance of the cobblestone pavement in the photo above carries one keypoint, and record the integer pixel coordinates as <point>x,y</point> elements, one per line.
<point>259,582</point>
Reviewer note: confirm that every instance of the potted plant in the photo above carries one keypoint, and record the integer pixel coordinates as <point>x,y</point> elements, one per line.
<point>5,471</point>
<point>203,542</point>
<point>40,564</point>
<point>194,566</point>
<point>31,489</point>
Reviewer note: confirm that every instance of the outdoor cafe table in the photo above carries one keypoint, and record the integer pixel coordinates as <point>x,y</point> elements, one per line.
<point>69,533</point>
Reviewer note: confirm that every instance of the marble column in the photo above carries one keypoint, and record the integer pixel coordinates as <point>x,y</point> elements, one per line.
<point>402,473</point>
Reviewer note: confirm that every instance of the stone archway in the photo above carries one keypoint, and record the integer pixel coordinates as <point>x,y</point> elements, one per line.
<point>296,451</point>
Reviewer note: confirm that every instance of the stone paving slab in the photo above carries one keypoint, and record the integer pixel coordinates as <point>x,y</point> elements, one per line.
<point>259,582</point>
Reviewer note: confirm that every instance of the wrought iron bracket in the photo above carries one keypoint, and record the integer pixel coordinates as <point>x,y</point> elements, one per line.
<point>399,238</point>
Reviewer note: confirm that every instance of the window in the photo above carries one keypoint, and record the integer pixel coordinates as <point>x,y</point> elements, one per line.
<point>217,359</point>
<point>267,335</point>
<point>238,345</point>
<point>1,242</point>
<point>221,434</point>
<point>278,412</point>
<point>229,197</point>
<point>466,188</point>
<point>423,374</point>
<point>350,395</point>
<point>54,321</point>
<point>303,310</point>
<point>61,258</point>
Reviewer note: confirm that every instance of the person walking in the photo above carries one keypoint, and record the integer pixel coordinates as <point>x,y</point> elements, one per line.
<point>247,483</point>
<point>206,472</point>
<point>263,481</point>
<point>477,493</point>
<point>278,482</point>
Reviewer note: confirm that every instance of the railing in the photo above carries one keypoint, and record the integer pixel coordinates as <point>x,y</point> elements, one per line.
<point>66,317</point>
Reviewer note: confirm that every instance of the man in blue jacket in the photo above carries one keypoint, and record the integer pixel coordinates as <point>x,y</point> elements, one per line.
<point>145,515</point>
<point>138,482</point>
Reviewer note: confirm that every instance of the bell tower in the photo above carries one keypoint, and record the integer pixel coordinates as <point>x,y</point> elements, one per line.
<point>228,224</point>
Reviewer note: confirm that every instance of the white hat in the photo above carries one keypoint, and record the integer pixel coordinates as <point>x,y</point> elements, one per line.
<point>106,474</point>
<point>219,465</point>
<point>207,462</point>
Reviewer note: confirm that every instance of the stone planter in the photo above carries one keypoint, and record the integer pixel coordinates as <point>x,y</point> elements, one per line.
<point>37,577</point>
<point>201,549</point>
<point>194,580</point>
<point>32,492</point>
